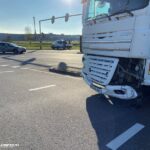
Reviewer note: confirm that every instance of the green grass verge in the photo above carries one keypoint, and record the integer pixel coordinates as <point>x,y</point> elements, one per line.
<point>34,45</point>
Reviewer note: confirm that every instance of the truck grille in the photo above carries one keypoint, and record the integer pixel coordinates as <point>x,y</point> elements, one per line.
<point>100,69</point>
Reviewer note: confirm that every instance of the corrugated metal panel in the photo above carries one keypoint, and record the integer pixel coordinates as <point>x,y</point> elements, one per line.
<point>100,69</point>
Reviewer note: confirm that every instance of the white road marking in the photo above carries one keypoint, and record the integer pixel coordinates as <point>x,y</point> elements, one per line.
<point>77,78</point>
<point>24,68</point>
<point>15,67</point>
<point>2,72</point>
<point>41,88</point>
<point>124,137</point>
<point>4,65</point>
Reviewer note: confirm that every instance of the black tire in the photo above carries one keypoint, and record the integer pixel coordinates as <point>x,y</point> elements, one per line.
<point>16,51</point>
<point>3,52</point>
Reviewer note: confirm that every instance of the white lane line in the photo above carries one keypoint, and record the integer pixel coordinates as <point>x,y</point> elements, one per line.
<point>24,68</point>
<point>124,137</point>
<point>76,78</point>
<point>4,65</point>
<point>41,88</point>
<point>2,72</point>
<point>15,67</point>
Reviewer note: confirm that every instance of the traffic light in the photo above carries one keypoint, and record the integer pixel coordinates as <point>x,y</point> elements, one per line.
<point>53,19</point>
<point>67,17</point>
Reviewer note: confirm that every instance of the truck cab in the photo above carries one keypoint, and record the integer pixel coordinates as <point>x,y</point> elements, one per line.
<point>116,47</point>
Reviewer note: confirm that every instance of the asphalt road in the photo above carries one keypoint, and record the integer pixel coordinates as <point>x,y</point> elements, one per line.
<point>47,58</point>
<point>40,110</point>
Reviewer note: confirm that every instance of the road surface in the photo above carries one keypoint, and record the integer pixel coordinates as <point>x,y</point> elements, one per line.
<point>40,110</point>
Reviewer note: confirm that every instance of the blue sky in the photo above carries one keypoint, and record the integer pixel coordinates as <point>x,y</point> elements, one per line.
<point>15,15</point>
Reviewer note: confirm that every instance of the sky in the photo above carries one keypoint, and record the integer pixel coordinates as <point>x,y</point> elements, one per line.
<point>15,15</point>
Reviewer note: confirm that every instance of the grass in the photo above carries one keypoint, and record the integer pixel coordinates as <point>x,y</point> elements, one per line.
<point>35,45</point>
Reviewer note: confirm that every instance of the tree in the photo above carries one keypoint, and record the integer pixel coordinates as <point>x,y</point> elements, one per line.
<point>28,34</point>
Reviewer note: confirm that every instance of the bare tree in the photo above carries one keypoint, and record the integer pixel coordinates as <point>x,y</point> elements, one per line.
<point>28,34</point>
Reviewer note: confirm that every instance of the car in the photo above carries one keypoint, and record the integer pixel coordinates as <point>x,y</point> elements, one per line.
<point>11,48</point>
<point>61,44</point>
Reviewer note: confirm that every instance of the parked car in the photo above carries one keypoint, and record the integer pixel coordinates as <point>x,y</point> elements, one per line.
<point>61,44</point>
<point>11,48</point>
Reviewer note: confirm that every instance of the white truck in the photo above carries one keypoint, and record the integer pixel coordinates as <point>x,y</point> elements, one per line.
<point>116,47</point>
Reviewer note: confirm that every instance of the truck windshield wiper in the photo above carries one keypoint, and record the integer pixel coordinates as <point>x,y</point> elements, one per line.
<point>123,11</point>
<point>102,16</point>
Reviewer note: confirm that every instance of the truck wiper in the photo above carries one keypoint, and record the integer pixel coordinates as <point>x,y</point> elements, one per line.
<point>103,15</point>
<point>124,11</point>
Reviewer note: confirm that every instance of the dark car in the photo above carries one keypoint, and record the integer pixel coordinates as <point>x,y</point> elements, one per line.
<point>11,48</point>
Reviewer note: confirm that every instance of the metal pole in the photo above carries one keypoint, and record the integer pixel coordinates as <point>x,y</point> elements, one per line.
<point>40,31</point>
<point>34,27</point>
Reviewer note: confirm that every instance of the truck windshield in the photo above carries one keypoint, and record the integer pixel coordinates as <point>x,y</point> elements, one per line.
<point>110,7</point>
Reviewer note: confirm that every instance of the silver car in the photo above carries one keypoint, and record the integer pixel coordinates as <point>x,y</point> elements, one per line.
<point>11,48</point>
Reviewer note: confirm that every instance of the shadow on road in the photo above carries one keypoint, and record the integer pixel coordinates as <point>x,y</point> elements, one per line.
<point>110,120</point>
<point>61,68</point>
<point>28,62</point>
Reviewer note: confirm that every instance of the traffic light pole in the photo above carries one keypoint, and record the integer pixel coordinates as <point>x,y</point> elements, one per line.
<point>40,31</point>
<point>53,19</point>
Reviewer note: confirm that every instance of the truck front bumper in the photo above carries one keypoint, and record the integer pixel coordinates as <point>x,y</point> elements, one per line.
<point>123,92</point>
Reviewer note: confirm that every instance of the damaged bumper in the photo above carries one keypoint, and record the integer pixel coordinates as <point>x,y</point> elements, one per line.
<point>122,92</point>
